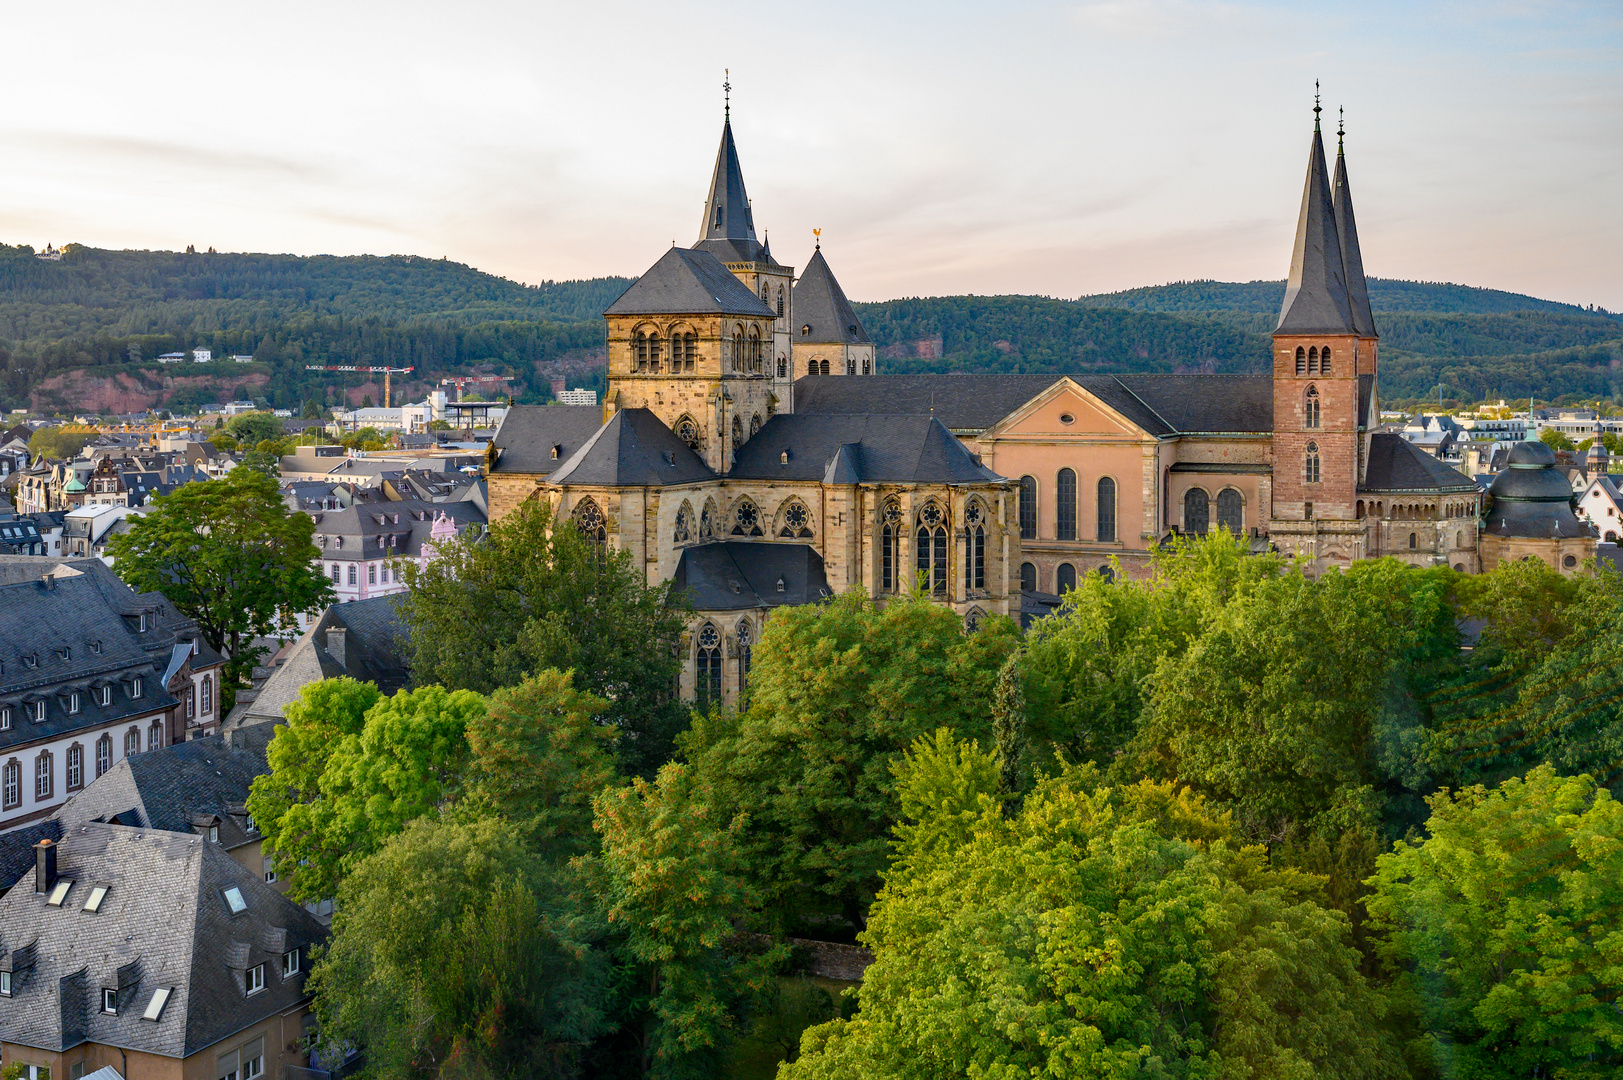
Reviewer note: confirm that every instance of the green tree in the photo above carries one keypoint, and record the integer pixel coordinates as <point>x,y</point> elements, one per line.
<point>1101,932</point>
<point>230,554</point>
<point>407,760</point>
<point>60,443</point>
<point>253,428</point>
<point>838,691</point>
<point>526,597</point>
<point>452,958</point>
<point>223,442</point>
<point>1555,440</point>
<point>1503,930</point>
<point>261,462</point>
<point>670,880</point>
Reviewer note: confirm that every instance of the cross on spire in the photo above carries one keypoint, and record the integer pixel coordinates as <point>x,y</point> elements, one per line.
<point>1341,129</point>
<point>1316,109</point>
<point>727,95</point>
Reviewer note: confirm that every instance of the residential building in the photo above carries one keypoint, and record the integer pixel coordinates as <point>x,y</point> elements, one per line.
<point>363,547</point>
<point>1601,505</point>
<point>202,356</point>
<point>155,953</point>
<point>1530,514</point>
<point>91,672</point>
<point>577,397</point>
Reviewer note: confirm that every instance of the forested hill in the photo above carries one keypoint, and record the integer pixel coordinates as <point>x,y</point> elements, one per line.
<point>82,333</point>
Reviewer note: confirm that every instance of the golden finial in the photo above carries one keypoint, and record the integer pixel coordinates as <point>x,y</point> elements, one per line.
<point>818,233</point>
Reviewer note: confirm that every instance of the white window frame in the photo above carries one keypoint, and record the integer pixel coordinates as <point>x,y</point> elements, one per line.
<point>135,687</point>
<point>109,995</point>
<point>254,979</point>
<point>290,964</point>
<point>104,695</point>
<point>5,717</point>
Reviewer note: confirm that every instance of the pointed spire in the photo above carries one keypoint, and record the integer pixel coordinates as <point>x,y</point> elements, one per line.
<point>1352,260</point>
<point>728,228</point>
<point>1316,294</point>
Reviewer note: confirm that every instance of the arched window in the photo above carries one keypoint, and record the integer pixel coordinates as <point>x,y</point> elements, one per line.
<point>889,534</point>
<point>822,367</point>
<point>1107,511</point>
<point>1028,508</point>
<point>1230,511</point>
<point>746,644</point>
<point>640,350</point>
<point>1065,506</point>
<point>1028,577</point>
<point>850,365</point>
<point>44,775</point>
<point>1301,360</point>
<point>1413,541</point>
<point>1459,539</point>
<point>867,365</point>
<point>755,350</point>
<point>653,352</point>
<point>155,735</point>
<point>746,519</point>
<point>975,539</point>
<point>1310,408</point>
<point>593,526</point>
<point>780,300</point>
<point>1324,360</point>
<point>811,367</point>
<point>1107,573</point>
<point>932,549</point>
<point>738,431</point>
<point>688,432</point>
<point>707,665</point>
<point>782,367</point>
<point>1310,464</point>
<point>973,620</point>
<point>755,424</point>
<point>1313,360</point>
<point>1064,578</point>
<point>683,533</point>
<point>794,521</point>
<point>13,784</point>
<point>208,694</point>
<point>132,742</point>
<point>709,518</point>
<point>104,754</point>
<point>76,767</point>
<point>690,352</point>
<point>1196,512</point>
<point>738,348</point>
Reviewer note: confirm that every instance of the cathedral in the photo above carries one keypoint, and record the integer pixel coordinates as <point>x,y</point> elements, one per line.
<point>749,448</point>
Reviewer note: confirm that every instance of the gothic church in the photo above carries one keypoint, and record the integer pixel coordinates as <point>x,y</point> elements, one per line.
<point>749,448</point>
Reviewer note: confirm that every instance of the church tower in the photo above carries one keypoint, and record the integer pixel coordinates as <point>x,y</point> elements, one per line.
<point>829,338</point>
<point>1324,374</point>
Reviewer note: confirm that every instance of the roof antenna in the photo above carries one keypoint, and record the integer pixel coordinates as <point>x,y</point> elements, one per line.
<point>727,95</point>
<point>818,234</point>
<point>1341,129</point>
<point>1316,109</point>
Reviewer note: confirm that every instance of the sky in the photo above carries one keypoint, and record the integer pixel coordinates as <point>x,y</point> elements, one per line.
<point>955,147</point>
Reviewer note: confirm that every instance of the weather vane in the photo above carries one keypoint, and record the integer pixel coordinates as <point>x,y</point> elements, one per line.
<point>818,233</point>
<point>727,94</point>
<point>1316,109</point>
<point>1341,127</point>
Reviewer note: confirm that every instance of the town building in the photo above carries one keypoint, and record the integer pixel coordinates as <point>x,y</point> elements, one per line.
<point>576,397</point>
<point>153,952</point>
<point>363,548</point>
<point>1531,514</point>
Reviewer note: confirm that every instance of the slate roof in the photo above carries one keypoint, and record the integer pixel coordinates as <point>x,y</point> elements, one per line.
<point>1316,300</point>
<point>634,448</point>
<point>968,404</point>
<point>820,303</point>
<point>1352,259</point>
<point>375,651</point>
<point>164,923</point>
<point>1395,464</point>
<point>365,528</point>
<point>174,787</point>
<point>688,282</point>
<point>738,575</point>
<point>887,449</point>
<point>17,849</point>
<point>728,228</point>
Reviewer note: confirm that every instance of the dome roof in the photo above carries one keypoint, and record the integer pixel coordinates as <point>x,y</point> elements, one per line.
<point>1531,497</point>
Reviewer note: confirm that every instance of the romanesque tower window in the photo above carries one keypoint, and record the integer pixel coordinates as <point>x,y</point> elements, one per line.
<point>653,352</point>
<point>1230,511</point>
<point>1324,360</point>
<point>1028,508</point>
<point>932,549</point>
<point>796,521</point>
<point>889,535</point>
<point>1107,510</point>
<point>592,525</point>
<point>1065,506</point>
<point>746,645</point>
<point>1310,464</point>
<point>1310,408</point>
<point>783,367</point>
<point>746,519</point>
<point>1301,360</point>
<point>975,553</point>
<point>1414,541</point>
<point>690,352</point>
<point>640,348</point>
<point>1197,510</point>
<point>707,666</point>
<point>684,525</point>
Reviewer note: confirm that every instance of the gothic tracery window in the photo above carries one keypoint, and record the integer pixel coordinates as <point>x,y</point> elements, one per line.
<point>755,424</point>
<point>746,519</point>
<point>1310,464</point>
<point>707,665</point>
<point>688,432</point>
<point>889,535</point>
<point>684,525</point>
<point>746,646</point>
<point>1310,409</point>
<point>975,550</point>
<point>780,302</point>
<point>707,520</point>
<point>796,521</point>
<point>932,549</point>
<point>590,521</point>
<point>738,431</point>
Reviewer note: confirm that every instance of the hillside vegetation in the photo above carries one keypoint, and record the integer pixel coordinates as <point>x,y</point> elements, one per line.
<point>82,333</point>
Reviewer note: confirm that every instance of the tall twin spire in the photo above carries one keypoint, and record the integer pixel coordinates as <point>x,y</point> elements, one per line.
<point>1326,292</point>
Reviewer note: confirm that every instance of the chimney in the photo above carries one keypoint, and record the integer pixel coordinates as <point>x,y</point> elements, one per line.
<point>335,645</point>
<point>44,866</point>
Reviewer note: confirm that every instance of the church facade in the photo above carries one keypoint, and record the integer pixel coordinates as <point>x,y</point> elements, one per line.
<point>749,448</point>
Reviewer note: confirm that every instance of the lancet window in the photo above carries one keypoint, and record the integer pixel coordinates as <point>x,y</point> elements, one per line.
<point>932,549</point>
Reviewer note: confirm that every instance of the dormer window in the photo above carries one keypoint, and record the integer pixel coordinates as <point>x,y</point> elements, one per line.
<point>109,1001</point>
<point>95,647</point>
<point>5,984</point>
<point>214,834</point>
<point>65,652</point>
<point>5,717</point>
<point>73,702</point>
<point>135,687</point>
<point>104,695</point>
<point>36,710</point>
<point>254,980</point>
<point>31,660</point>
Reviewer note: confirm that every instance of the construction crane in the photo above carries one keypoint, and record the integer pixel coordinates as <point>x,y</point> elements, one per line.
<point>387,371</point>
<point>459,381</point>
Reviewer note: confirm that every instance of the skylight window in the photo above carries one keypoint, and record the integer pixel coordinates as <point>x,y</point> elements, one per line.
<point>160,998</point>
<point>59,893</point>
<point>234,900</point>
<point>98,893</point>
